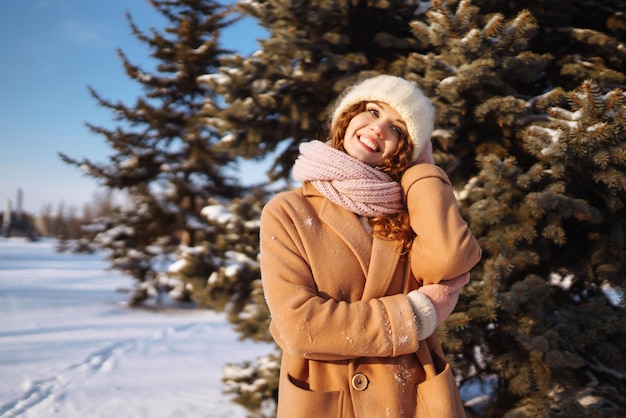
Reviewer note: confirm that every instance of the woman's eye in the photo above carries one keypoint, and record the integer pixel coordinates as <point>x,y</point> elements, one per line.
<point>373,112</point>
<point>397,131</point>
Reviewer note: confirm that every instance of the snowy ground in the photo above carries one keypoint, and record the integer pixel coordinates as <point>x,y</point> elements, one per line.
<point>69,348</point>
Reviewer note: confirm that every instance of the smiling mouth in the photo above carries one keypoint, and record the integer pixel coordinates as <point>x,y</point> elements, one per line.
<point>369,143</point>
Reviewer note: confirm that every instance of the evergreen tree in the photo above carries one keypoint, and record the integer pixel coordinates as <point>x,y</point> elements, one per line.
<point>530,127</point>
<point>553,236</point>
<point>229,253</point>
<point>166,147</point>
<point>545,204</point>
<point>280,94</point>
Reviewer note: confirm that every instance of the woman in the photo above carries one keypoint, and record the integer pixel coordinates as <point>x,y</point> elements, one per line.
<point>356,283</point>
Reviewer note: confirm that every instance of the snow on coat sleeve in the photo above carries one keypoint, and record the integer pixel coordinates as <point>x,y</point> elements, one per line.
<point>308,323</point>
<point>444,247</point>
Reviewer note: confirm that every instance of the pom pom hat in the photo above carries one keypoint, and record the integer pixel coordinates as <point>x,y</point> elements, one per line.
<point>403,96</point>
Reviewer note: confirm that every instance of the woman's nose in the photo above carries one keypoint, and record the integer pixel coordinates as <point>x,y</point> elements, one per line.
<point>377,128</point>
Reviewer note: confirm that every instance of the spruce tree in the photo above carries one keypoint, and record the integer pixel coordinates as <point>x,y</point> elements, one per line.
<point>524,319</point>
<point>545,205</point>
<point>166,148</point>
<point>222,273</point>
<point>280,95</point>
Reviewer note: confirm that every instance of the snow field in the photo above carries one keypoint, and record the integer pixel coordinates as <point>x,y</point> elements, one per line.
<point>70,348</point>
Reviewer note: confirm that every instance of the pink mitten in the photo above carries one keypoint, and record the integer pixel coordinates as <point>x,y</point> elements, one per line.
<point>426,156</point>
<point>434,303</point>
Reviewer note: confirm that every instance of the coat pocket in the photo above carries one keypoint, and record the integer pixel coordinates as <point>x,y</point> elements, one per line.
<point>294,401</point>
<point>439,397</point>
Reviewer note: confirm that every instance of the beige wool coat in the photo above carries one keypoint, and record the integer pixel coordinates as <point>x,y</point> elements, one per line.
<point>337,299</point>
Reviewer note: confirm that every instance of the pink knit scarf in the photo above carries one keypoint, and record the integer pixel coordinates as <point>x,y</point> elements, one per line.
<point>346,181</point>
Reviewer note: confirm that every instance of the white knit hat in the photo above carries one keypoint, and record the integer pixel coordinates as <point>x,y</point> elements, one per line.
<point>404,97</point>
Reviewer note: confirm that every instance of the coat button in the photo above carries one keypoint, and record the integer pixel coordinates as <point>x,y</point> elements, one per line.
<point>359,381</point>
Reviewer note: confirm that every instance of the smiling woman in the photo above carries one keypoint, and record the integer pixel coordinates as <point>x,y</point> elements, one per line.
<point>372,198</point>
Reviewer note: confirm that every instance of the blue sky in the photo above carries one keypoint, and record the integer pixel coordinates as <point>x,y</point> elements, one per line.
<point>51,51</point>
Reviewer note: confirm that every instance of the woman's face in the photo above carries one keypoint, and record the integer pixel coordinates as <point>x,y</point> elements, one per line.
<point>373,135</point>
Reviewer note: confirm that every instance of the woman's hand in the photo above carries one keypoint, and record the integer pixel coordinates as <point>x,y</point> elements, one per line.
<point>434,303</point>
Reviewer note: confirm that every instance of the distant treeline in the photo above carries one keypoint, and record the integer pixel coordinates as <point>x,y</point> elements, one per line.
<point>64,223</point>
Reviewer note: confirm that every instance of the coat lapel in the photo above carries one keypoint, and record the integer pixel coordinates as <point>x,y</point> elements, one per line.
<point>349,228</point>
<point>378,257</point>
<point>383,265</point>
